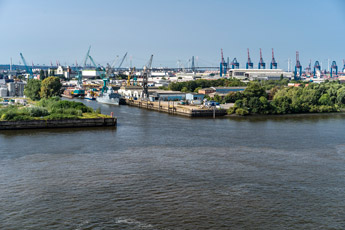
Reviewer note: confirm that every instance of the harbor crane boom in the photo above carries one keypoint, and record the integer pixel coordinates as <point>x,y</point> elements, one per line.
<point>87,56</point>
<point>115,60</point>
<point>118,68</point>
<point>93,62</point>
<point>28,70</point>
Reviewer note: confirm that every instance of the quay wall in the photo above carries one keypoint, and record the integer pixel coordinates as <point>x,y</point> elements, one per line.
<point>174,108</point>
<point>68,123</point>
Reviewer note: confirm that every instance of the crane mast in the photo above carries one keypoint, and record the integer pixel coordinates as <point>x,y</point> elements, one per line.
<point>28,70</point>
<point>146,75</point>
<point>124,57</point>
<point>87,56</point>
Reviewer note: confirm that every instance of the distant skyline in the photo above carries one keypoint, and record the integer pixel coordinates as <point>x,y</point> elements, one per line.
<point>46,31</point>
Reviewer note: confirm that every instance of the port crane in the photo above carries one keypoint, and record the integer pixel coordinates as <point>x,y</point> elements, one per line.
<point>223,64</point>
<point>235,64</point>
<point>28,70</point>
<point>274,64</point>
<point>317,67</point>
<point>87,56</point>
<point>130,73</point>
<point>335,68</point>
<point>262,64</point>
<point>146,74</point>
<point>249,64</point>
<point>93,62</point>
<point>110,68</point>
<point>123,59</point>
<point>298,67</point>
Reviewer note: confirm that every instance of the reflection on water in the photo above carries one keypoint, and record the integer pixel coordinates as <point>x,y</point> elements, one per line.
<point>157,171</point>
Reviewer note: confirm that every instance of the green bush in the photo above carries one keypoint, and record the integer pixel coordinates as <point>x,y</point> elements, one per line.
<point>37,111</point>
<point>242,111</point>
<point>231,110</point>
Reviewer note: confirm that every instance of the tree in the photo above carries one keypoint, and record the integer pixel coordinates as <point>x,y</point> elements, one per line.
<point>197,89</point>
<point>341,96</point>
<point>42,75</point>
<point>50,87</point>
<point>325,99</point>
<point>254,90</point>
<point>32,89</point>
<point>184,90</point>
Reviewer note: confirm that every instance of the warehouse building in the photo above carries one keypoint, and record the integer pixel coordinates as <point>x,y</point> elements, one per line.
<point>259,74</point>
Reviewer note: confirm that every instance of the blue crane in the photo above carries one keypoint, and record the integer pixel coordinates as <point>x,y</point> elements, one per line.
<point>235,64</point>
<point>28,70</point>
<point>334,67</point>
<point>249,64</point>
<point>298,68</point>
<point>93,62</point>
<point>274,64</point>
<point>317,67</point>
<point>262,64</point>
<point>87,56</point>
<point>223,65</point>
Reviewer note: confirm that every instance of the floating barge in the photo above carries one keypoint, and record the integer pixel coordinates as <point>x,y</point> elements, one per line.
<point>174,108</point>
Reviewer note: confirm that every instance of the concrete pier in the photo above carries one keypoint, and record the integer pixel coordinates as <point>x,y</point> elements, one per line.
<point>172,107</point>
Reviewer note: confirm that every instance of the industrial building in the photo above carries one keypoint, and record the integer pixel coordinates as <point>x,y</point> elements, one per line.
<point>259,74</point>
<point>92,73</point>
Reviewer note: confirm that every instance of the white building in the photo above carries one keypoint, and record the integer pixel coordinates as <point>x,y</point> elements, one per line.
<point>131,91</point>
<point>92,73</point>
<point>259,74</point>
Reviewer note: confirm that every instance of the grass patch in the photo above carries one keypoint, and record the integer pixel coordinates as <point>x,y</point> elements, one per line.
<point>50,109</point>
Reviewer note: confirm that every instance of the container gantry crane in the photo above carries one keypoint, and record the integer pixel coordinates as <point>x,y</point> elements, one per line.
<point>317,67</point>
<point>223,65</point>
<point>274,64</point>
<point>298,67</point>
<point>249,64</point>
<point>335,68</point>
<point>235,64</point>
<point>262,64</point>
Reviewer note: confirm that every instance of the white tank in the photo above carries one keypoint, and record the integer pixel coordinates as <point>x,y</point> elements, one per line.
<point>11,89</point>
<point>20,89</point>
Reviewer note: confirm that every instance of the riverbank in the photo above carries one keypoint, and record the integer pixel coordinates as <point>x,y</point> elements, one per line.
<point>67,123</point>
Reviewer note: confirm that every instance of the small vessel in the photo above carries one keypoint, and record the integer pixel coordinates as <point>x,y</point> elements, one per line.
<point>90,95</point>
<point>68,93</point>
<point>108,96</point>
<point>78,92</point>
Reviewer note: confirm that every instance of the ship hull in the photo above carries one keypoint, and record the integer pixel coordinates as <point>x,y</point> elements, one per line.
<point>112,101</point>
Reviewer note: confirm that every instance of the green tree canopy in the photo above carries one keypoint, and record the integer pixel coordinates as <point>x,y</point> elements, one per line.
<point>32,89</point>
<point>50,87</point>
<point>254,90</point>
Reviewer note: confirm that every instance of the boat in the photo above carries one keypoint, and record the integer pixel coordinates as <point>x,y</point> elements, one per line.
<point>109,97</point>
<point>68,93</point>
<point>90,95</point>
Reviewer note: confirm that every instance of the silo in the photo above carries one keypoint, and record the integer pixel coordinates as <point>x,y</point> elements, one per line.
<point>11,89</point>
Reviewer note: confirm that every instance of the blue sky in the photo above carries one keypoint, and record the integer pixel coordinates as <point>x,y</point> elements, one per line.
<point>172,30</point>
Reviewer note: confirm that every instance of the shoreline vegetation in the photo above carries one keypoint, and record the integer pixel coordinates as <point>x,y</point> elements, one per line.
<point>49,109</point>
<point>274,97</point>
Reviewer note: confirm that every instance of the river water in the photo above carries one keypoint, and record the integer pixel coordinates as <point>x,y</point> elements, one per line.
<point>158,171</point>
